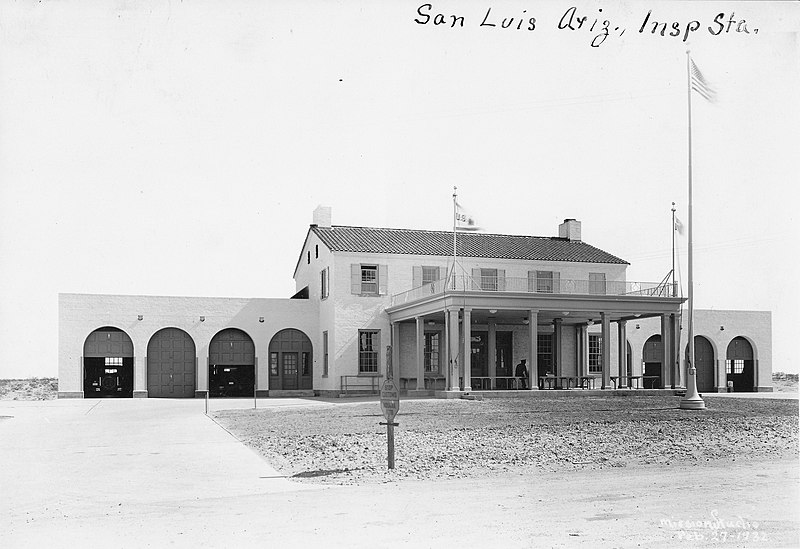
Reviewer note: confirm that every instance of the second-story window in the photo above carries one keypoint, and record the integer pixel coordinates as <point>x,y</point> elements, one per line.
<point>429,275</point>
<point>597,283</point>
<point>324,283</point>
<point>369,279</point>
<point>544,282</point>
<point>489,279</point>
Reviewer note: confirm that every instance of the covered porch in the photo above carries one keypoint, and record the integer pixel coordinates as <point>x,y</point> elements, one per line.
<point>471,339</point>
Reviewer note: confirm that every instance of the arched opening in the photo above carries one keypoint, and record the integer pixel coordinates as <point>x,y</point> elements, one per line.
<point>652,355</point>
<point>108,364</point>
<point>704,363</point>
<point>171,364</point>
<point>290,361</point>
<point>231,364</point>
<point>739,365</point>
<point>629,359</point>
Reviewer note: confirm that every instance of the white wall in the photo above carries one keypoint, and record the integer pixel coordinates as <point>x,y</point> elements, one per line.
<point>81,314</point>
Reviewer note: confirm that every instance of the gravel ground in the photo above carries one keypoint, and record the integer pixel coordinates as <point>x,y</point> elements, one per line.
<point>437,439</point>
<point>45,388</point>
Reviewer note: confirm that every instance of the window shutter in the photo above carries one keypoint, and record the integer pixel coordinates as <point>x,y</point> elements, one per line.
<point>355,278</point>
<point>416,280</point>
<point>501,280</point>
<point>531,281</point>
<point>383,279</point>
<point>476,279</point>
<point>556,282</point>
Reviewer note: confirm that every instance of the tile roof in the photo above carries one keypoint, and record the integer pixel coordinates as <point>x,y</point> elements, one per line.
<point>495,246</point>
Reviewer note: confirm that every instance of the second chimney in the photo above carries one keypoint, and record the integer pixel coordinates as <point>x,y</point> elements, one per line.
<point>570,229</point>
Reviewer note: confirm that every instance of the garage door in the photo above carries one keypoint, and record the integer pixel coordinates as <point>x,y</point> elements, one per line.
<point>171,364</point>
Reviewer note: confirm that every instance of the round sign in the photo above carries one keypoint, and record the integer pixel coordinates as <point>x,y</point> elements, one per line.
<point>390,400</point>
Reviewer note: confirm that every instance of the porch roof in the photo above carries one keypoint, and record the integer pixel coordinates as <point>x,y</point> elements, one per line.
<point>514,308</point>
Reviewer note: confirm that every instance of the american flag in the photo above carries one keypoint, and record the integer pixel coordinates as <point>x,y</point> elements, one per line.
<point>700,85</point>
<point>464,220</point>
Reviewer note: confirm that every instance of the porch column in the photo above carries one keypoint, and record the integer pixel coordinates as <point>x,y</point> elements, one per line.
<point>492,350</point>
<point>666,361</point>
<point>533,348</point>
<point>557,359</point>
<point>453,351</point>
<point>622,349</point>
<point>395,352</point>
<point>605,337</point>
<point>420,353</point>
<point>467,349</point>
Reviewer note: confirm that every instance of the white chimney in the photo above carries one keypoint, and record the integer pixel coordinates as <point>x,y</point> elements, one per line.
<point>322,216</point>
<point>570,229</point>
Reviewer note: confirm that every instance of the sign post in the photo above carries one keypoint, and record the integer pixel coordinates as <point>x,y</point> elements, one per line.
<point>390,405</point>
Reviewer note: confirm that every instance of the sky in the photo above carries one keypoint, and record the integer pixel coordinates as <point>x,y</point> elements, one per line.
<point>180,148</point>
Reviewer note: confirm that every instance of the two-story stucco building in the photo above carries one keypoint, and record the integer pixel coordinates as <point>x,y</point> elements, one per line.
<point>557,302</point>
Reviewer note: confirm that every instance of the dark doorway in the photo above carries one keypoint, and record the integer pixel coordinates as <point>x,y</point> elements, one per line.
<point>479,359</point>
<point>108,364</point>
<point>231,364</point>
<point>290,361</point>
<point>171,364</point>
<point>740,365</point>
<point>652,355</point>
<point>503,359</point>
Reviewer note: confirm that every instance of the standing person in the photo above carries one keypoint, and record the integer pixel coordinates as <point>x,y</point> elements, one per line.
<point>521,372</point>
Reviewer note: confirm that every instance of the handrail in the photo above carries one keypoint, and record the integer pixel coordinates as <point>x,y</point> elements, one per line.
<point>466,283</point>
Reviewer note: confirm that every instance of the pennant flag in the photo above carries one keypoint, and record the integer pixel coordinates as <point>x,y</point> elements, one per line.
<point>701,86</point>
<point>678,225</point>
<point>464,220</point>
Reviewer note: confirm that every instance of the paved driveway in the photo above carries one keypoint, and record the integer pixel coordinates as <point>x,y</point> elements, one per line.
<point>159,473</point>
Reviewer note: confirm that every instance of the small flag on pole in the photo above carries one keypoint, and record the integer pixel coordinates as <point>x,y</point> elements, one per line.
<point>464,220</point>
<point>701,86</point>
<point>678,225</point>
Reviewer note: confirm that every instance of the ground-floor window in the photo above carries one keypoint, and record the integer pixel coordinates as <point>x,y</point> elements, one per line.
<point>325,353</point>
<point>432,352</point>
<point>734,366</point>
<point>544,354</point>
<point>595,354</point>
<point>368,345</point>
<point>273,364</point>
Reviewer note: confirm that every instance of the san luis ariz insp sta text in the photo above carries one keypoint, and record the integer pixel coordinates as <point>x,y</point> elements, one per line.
<point>594,24</point>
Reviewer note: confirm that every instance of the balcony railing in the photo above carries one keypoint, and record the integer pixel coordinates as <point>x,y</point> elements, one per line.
<point>466,283</point>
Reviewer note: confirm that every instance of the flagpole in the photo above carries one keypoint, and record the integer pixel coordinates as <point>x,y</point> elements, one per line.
<point>692,400</point>
<point>674,293</point>
<point>454,236</point>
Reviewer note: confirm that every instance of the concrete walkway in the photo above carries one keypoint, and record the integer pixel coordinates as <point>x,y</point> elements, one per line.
<point>159,473</point>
